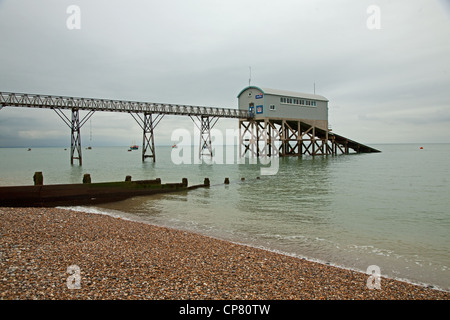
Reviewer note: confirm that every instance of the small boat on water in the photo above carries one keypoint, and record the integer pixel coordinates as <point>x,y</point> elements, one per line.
<point>174,146</point>
<point>134,147</point>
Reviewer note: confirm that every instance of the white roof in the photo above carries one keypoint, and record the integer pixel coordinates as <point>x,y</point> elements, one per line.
<point>286,93</point>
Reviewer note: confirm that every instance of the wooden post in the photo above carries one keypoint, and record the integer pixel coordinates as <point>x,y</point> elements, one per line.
<point>38,179</point>
<point>87,178</point>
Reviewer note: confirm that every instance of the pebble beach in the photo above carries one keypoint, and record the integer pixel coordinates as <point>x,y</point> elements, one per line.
<point>45,251</point>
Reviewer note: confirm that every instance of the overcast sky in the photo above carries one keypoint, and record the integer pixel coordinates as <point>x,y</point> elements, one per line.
<point>386,85</point>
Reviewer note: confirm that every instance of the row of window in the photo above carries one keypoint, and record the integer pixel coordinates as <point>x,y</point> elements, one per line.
<point>300,102</point>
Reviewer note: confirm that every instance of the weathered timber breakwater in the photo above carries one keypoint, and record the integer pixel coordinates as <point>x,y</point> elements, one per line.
<point>86,193</point>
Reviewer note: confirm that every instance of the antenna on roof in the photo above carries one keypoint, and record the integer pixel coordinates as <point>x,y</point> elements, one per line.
<point>314,87</point>
<point>250,76</point>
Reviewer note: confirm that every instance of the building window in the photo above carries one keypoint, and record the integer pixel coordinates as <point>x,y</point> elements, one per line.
<point>272,107</point>
<point>299,102</point>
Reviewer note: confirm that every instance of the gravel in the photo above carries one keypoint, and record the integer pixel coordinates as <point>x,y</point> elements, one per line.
<point>114,258</point>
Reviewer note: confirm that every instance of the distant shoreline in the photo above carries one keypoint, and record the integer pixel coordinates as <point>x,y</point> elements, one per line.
<point>122,259</point>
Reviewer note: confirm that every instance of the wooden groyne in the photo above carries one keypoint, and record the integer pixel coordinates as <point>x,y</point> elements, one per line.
<point>86,193</point>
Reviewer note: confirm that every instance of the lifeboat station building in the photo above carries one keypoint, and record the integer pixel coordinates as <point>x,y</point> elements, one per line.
<point>287,123</point>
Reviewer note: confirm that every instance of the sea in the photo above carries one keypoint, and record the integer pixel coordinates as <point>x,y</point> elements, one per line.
<point>390,209</point>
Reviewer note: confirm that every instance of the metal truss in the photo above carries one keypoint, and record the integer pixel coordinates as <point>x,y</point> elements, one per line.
<point>51,102</point>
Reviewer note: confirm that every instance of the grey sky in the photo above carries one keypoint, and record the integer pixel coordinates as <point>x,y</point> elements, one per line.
<point>385,86</point>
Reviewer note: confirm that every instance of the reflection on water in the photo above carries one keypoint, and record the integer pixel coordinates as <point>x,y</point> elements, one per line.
<point>76,174</point>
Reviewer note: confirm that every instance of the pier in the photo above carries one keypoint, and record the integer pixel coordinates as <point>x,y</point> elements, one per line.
<point>296,137</point>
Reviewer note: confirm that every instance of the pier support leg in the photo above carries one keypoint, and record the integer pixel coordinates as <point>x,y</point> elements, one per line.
<point>75,141</point>
<point>259,138</point>
<point>148,124</point>
<point>148,139</point>
<point>272,136</point>
<point>205,138</point>
<point>206,124</point>
<point>290,138</point>
<point>248,138</point>
<point>75,124</point>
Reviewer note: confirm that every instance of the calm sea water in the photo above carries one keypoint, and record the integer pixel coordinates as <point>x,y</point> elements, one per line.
<point>389,209</point>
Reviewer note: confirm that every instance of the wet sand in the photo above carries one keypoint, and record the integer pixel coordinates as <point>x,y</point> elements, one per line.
<point>120,259</point>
